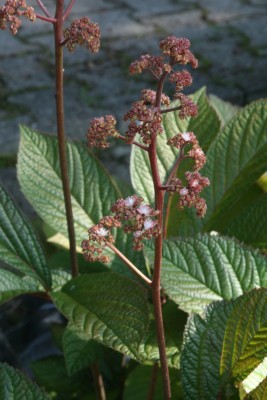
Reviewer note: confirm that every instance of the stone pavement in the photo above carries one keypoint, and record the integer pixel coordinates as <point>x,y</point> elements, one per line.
<point>228,36</point>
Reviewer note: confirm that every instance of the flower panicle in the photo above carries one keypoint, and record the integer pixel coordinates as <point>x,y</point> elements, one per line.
<point>100,130</point>
<point>11,13</point>
<point>83,32</point>
<point>134,216</point>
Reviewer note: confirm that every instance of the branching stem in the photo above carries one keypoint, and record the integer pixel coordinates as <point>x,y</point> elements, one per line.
<point>135,143</point>
<point>58,28</point>
<point>43,8</point>
<point>129,264</point>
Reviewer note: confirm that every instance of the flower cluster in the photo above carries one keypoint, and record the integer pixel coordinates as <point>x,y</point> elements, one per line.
<point>189,193</point>
<point>99,235</point>
<point>12,11</point>
<point>149,97</point>
<point>83,32</point>
<point>135,217</point>
<point>99,131</point>
<point>147,62</point>
<point>144,120</point>
<point>178,50</point>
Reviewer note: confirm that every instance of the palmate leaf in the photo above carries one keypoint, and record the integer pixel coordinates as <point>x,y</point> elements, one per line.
<point>92,190</point>
<point>15,385</point>
<point>226,345</point>
<point>19,246</point>
<point>206,126</point>
<point>108,308</point>
<point>199,270</point>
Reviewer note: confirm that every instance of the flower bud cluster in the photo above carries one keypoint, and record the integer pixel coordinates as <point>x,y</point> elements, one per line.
<point>99,235</point>
<point>99,131</point>
<point>147,62</point>
<point>137,218</point>
<point>195,183</point>
<point>149,97</point>
<point>178,50</point>
<point>145,121</point>
<point>133,215</point>
<point>83,32</point>
<point>12,11</point>
<point>189,193</point>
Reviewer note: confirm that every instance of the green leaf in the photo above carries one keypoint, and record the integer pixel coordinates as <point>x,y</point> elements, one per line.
<point>235,160</point>
<point>106,307</point>
<point>197,271</point>
<point>12,285</point>
<point>254,380</point>
<point>261,392</point>
<point>227,345</point>
<point>15,385</point>
<point>224,109</point>
<point>200,358</point>
<point>138,382</point>
<point>79,351</point>
<point>19,246</point>
<point>51,373</point>
<point>92,190</point>
<point>174,322</point>
<point>248,321</point>
<point>206,126</point>
<point>250,225</point>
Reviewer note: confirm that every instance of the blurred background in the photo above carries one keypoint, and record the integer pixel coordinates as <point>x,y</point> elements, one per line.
<point>229,37</point>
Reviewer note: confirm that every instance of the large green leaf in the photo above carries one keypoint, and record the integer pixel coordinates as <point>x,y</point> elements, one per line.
<point>235,160</point>
<point>225,346</point>
<point>260,393</point>
<point>200,358</point>
<point>79,351</point>
<point>255,381</point>
<point>199,270</point>
<point>224,109</point>
<point>106,307</point>
<point>174,322</point>
<point>245,340</point>
<point>250,225</point>
<point>139,380</point>
<point>12,285</point>
<point>206,126</point>
<point>19,246</point>
<point>92,190</point>
<point>15,385</point>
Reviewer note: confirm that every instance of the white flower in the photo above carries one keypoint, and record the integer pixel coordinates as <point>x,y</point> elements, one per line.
<point>129,201</point>
<point>144,209</point>
<point>194,183</point>
<point>137,233</point>
<point>183,192</point>
<point>186,136</point>
<point>102,232</point>
<point>148,224</point>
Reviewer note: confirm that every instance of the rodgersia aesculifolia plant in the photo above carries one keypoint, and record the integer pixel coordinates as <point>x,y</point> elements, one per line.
<point>185,265</point>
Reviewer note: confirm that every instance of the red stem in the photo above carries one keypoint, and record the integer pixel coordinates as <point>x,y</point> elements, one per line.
<point>58,29</point>
<point>98,382</point>
<point>43,8</point>
<point>153,382</point>
<point>46,19</point>
<point>135,143</point>
<point>156,295</point>
<point>68,9</point>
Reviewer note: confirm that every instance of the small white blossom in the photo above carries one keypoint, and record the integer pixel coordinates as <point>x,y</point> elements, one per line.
<point>102,232</point>
<point>149,223</point>
<point>144,209</point>
<point>137,233</point>
<point>129,201</point>
<point>186,136</point>
<point>183,192</point>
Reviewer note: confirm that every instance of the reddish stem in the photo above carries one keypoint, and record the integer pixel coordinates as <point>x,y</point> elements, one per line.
<point>170,109</point>
<point>159,202</point>
<point>58,29</point>
<point>135,143</point>
<point>68,9</point>
<point>43,8</point>
<point>98,382</point>
<point>46,19</point>
<point>129,264</point>
<point>153,382</point>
